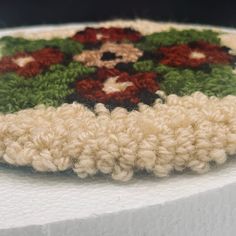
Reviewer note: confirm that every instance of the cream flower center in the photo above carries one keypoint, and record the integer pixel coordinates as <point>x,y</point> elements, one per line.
<point>111,85</point>
<point>99,36</point>
<point>22,61</point>
<point>197,55</point>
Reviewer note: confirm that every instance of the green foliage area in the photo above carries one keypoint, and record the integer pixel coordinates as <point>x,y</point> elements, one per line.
<point>49,88</point>
<point>220,81</point>
<point>173,36</point>
<point>10,45</point>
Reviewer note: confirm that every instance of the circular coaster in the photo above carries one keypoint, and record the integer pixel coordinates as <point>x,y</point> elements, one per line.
<point>118,97</point>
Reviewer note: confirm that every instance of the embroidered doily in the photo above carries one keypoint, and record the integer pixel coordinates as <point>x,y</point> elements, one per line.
<point>117,98</point>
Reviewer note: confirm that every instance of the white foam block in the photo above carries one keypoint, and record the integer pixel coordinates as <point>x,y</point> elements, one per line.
<point>62,204</point>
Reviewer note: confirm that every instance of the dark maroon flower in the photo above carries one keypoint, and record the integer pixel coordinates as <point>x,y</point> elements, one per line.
<point>116,88</point>
<point>31,64</point>
<point>112,34</point>
<point>193,55</point>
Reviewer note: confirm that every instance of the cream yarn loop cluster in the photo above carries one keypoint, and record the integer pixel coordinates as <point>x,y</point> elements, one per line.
<point>185,132</point>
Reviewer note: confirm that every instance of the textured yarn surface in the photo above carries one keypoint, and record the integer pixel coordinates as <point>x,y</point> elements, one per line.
<point>117,98</point>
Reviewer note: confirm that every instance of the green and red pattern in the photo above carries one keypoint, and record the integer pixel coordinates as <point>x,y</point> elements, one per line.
<point>118,67</point>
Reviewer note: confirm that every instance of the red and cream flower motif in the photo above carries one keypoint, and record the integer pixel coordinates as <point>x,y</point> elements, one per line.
<point>112,34</point>
<point>193,55</point>
<point>109,55</point>
<point>31,64</point>
<point>116,88</point>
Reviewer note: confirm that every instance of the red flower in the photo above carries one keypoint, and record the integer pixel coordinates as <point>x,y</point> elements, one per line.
<point>116,88</point>
<point>194,55</point>
<point>112,34</point>
<point>31,64</point>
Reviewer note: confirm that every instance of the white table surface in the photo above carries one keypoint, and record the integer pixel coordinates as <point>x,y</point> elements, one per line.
<point>62,204</point>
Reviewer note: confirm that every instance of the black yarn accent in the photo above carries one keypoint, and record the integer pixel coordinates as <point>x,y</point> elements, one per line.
<point>125,67</point>
<point>147,97</point>
<point>108,56</point>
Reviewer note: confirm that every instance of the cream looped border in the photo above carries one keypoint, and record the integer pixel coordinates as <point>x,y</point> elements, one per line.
<point>185,132</point>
